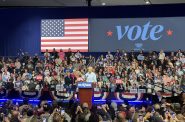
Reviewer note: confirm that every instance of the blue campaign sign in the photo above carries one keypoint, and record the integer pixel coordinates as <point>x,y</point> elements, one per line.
<point>148,34</point>
<point>84,85</point>
<point>142,32</point>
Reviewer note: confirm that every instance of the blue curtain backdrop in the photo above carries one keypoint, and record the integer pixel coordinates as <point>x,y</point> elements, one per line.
<point>20,27</point>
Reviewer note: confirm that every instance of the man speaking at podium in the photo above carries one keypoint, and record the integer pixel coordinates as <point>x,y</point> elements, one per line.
<point>90,76</point>
<point>87,87</point>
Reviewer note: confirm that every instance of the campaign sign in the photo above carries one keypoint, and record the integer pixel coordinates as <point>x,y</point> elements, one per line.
<point>30,94</point>
<point>84,85</point>
<point>140,57</point>
<point>119,81</point>
<point>133,90</point>
<point>137,34</point>
<point>141,90</point>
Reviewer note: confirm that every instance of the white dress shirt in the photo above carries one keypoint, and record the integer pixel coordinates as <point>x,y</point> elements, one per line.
<point>91,77</point>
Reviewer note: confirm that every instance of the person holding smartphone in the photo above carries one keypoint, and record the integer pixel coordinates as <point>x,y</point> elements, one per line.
<point>174,118</point>
<point>140,118</point>
<point>167,117</point>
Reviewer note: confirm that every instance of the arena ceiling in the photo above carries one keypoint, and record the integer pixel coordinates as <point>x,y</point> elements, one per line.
<point>84,2</point>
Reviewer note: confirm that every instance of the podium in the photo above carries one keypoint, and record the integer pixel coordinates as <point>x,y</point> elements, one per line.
<point>85,93</point>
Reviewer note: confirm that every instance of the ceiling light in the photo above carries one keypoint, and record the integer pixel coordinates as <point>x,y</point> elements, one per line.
<point>147,2</point>
<point>103,4</point>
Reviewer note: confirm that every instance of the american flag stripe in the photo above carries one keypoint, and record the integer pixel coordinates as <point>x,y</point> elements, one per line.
<point>64,45</point>
<point>79,25</point>
<point>66,40</point>
<point>72,30</point>
<point>76,32</point>
<point>50,43</point>
<point>72,47</point>
<point>76,27</point>
<point>65,50</point>
<point>65,37</point>
<point>72,20</point>
<point>77,22</point>
<point>75,35</point>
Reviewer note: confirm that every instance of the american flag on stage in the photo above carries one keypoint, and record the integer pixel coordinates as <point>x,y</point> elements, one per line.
<point>64,34</point>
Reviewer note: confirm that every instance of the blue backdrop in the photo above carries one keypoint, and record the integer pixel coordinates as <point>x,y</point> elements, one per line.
<point>20,27</point>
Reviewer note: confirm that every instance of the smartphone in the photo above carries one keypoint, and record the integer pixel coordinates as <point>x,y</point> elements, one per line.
<point>99,107</point>
<point>17,104</point>
<point>44,120</point>
<point>153,111</point>
<point>173,115</point>
<point>167,111</point>
<point>104,105</point>
<point>21,116</point>
<point>62,112</point>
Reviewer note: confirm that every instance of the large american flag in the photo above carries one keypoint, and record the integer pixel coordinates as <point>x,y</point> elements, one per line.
<point>64,34</point>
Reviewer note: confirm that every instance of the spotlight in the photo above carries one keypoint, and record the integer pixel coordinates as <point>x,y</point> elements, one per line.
<point>103,4</point>
<point>148,2</point>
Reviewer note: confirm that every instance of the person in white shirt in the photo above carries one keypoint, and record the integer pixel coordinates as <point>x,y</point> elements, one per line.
<point>109,56</point>
<point>47,55</point>
<point>25,74</point>
<point>90,75</point>
<point>17,64</point>
<point>58,61</point>
<point>48,78</point>
<point>182,59</point>
<point>179,53</point>
<point>161,55</point>
<point>72,57</point>
<point>78,55</point>
<point>5,75</point>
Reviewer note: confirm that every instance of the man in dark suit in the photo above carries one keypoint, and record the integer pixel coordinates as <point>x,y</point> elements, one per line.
<point>144,88</point>
<point>157,98</point>
<point>69,80</point>
<point>54,54</point>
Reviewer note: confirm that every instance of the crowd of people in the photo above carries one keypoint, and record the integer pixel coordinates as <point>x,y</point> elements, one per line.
<point>120,71</point>
<point>113,72</point>
<point>75,112</point>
